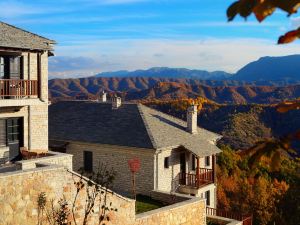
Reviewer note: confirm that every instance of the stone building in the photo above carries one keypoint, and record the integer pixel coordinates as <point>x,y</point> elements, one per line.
<point>175,156</point>
<point>23,91</point>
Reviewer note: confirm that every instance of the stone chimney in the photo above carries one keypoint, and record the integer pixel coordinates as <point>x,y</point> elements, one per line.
<point>192,119</point>
<point>116,102</point>
<point>103,97</point>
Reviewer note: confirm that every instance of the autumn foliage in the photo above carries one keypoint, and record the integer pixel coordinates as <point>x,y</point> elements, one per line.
<point>264,8</point>
<point>257,191</point>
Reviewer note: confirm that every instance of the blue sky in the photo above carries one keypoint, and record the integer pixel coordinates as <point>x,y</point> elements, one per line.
<point>108,35</point>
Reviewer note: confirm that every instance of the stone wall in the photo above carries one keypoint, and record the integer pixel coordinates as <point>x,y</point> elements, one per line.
<point>55,158</point>
<point>117,157</point>
<point>19,192</point>
<point>191,212</point>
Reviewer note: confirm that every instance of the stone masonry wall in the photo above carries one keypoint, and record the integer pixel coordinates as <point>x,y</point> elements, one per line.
<point>117,157</point>
<point>38,127</point>
<point>19,192</point>
<point>191,212</point>
<point>55,158</point>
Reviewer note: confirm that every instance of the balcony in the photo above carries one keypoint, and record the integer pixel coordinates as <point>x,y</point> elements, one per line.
<point>198,180</point>
<point>17,89</point>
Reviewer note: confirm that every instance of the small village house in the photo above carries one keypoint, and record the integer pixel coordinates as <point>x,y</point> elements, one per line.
<point>176,156</point>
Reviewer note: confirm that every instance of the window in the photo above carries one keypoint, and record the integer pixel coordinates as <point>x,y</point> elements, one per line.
<point>13,130</point>
<point>166,163</point>
<point>88,161</point>
<point>207,161</point>
<point>193,162</point>
<point>207,196</point>
<point>14,70</point>
<point>11,67</point>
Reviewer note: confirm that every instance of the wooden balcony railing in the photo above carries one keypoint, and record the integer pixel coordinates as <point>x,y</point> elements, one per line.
<point>204,177</point>
<point>10,88</point>
<point>246,219</point>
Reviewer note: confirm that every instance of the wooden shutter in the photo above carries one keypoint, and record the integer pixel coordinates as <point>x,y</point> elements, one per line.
<point>2,132</point>
<point>88,161</point>
<point>2,72</point>
<point>14,67</point>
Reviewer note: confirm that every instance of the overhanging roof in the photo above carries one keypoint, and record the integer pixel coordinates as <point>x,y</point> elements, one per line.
<point>14,37</point>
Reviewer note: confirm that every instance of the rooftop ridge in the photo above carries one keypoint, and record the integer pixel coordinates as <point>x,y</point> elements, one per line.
<point>50,40</point>
<point>140,108</point>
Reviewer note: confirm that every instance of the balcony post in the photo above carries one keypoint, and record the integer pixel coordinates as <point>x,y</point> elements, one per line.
<point>214,167</point>
<point>198,172</point>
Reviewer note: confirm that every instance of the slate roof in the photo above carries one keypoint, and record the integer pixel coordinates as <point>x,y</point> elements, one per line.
<point>14,37</point>
<point>132,125</point>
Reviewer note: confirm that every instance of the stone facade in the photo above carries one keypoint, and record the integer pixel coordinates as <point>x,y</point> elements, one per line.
<point>153,176</point>
<point>117,157</point>
<point>32,110</point>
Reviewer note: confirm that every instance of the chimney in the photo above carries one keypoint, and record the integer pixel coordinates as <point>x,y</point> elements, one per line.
<point>116,102</point>
<point>103,97</point>
<point>192,119</point>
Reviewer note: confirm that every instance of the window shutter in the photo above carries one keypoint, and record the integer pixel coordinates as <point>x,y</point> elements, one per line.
<point>14,67</point>
<point>3,132</point>
<point>2,72</point>
<point>88,161</point>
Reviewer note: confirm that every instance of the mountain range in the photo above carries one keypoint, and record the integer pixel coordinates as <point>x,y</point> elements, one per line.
<point>165,72</point>
<point>266,70</point>
<point>267,80</point>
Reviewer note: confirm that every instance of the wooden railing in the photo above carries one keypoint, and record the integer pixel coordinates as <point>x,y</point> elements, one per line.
<point>18,88</point>
<point>204,177</point>
<point>246,219</point>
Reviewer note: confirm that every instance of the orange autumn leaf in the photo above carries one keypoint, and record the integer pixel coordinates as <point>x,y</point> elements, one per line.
<point>263,10</point>
<point>288,37</point>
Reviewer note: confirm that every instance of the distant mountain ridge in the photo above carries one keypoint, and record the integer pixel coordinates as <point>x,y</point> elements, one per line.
<point>166,72</point>
<point>280,70</point>
<point>283,68</point>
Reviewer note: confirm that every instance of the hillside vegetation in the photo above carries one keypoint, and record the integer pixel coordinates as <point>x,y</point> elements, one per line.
<point>241,125</point>
<point>166,89</point>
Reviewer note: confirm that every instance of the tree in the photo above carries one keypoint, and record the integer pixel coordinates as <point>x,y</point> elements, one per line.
<point>264,8</point>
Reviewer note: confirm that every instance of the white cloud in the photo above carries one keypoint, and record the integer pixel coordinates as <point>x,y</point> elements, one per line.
<point>209,54</point>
